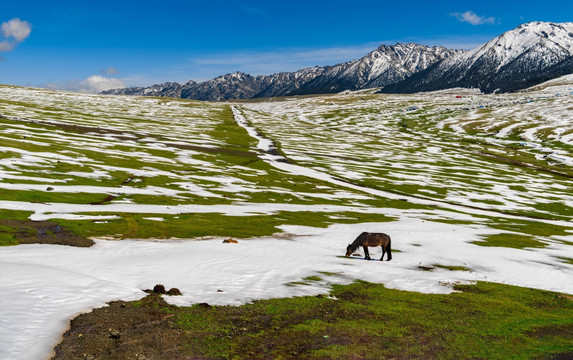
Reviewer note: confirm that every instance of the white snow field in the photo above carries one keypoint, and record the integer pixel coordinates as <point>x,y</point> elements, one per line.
<point>443,171</point>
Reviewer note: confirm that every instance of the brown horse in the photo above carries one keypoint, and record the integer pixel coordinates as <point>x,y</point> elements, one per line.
<point>371,239</point>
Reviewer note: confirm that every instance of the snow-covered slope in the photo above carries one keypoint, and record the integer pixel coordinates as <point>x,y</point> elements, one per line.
<point>544,39</point>
<point>454,167</point>
<point>527,55</point>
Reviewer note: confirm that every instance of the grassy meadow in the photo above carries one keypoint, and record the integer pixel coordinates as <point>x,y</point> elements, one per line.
<point>115,168</point>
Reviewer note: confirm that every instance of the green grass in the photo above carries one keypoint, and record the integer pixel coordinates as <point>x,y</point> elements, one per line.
<point>47,196</point>
<point>487,201</point>
<point>370,122</point>
<point>453,267</point>
<point>207,224</point>
<point>511,240</point>
<point>305,281</point>
<point>7,236</point>
<point>8,233</point>
<point>529,228</point>
<point>367,321</point>
<point>236,148</point>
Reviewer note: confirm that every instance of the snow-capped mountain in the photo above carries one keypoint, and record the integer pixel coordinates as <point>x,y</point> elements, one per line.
<point>525,56</point>
<point>168,89</point>
<point>385,65</point>
<point>522,57</point>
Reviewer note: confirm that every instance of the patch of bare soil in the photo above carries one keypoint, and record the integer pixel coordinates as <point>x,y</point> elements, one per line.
<point>44,232</point>
<point>142,330</point>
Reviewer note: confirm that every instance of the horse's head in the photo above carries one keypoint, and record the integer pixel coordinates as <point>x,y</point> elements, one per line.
<point>348,250</point>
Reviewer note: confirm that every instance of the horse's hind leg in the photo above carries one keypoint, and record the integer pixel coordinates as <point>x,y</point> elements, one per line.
<point>383,252</point>
<point>389,251</point>
<point>366,254</point>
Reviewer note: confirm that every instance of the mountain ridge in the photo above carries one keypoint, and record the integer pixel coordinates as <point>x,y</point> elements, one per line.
<point>527,55</point>
<point>385,65</point>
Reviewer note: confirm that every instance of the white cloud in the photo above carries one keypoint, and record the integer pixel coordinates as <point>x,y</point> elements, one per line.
<point>99,83</point>
<point>14,32</point>
<point>472,18</point>
<point>16,28</point>
<point>93,84</point>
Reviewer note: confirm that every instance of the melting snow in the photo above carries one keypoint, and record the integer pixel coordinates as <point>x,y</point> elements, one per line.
<point>50,284</point>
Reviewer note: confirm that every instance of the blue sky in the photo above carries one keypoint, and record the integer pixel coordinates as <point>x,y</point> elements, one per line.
<point>88,45</point>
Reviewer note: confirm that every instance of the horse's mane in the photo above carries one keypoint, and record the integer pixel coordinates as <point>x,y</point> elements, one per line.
<point>356,244</point>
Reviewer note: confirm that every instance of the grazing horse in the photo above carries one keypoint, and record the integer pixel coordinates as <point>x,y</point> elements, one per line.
<point>371,239</point>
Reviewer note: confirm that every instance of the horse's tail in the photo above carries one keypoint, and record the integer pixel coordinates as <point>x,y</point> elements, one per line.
<point>389,249</point>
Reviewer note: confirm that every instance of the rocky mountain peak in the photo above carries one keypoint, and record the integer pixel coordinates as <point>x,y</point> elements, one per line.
<point>527,55</point>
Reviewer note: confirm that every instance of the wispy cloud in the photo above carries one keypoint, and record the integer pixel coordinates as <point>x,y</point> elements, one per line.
<point>288,56</point>
<point>273,61</point>
<point>93,84</point>
<point>109,71</point>
<point>473,18</point>
<point>208,66</point>
<point>12,33</point>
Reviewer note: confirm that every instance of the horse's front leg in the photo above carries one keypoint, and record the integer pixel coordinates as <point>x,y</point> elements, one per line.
<point>366,254</point>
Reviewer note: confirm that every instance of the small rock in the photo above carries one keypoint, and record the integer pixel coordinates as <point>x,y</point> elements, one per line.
<point>159,289</point>
<point>174,292</point>
<point>49,188</point>
<point>114,334</point>
<point>219,290</point>
<point>205,305</point>
<point>230,241</point>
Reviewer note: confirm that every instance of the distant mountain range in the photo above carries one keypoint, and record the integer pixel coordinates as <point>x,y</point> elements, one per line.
<point>527,55</point>
<point>522,57</point>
